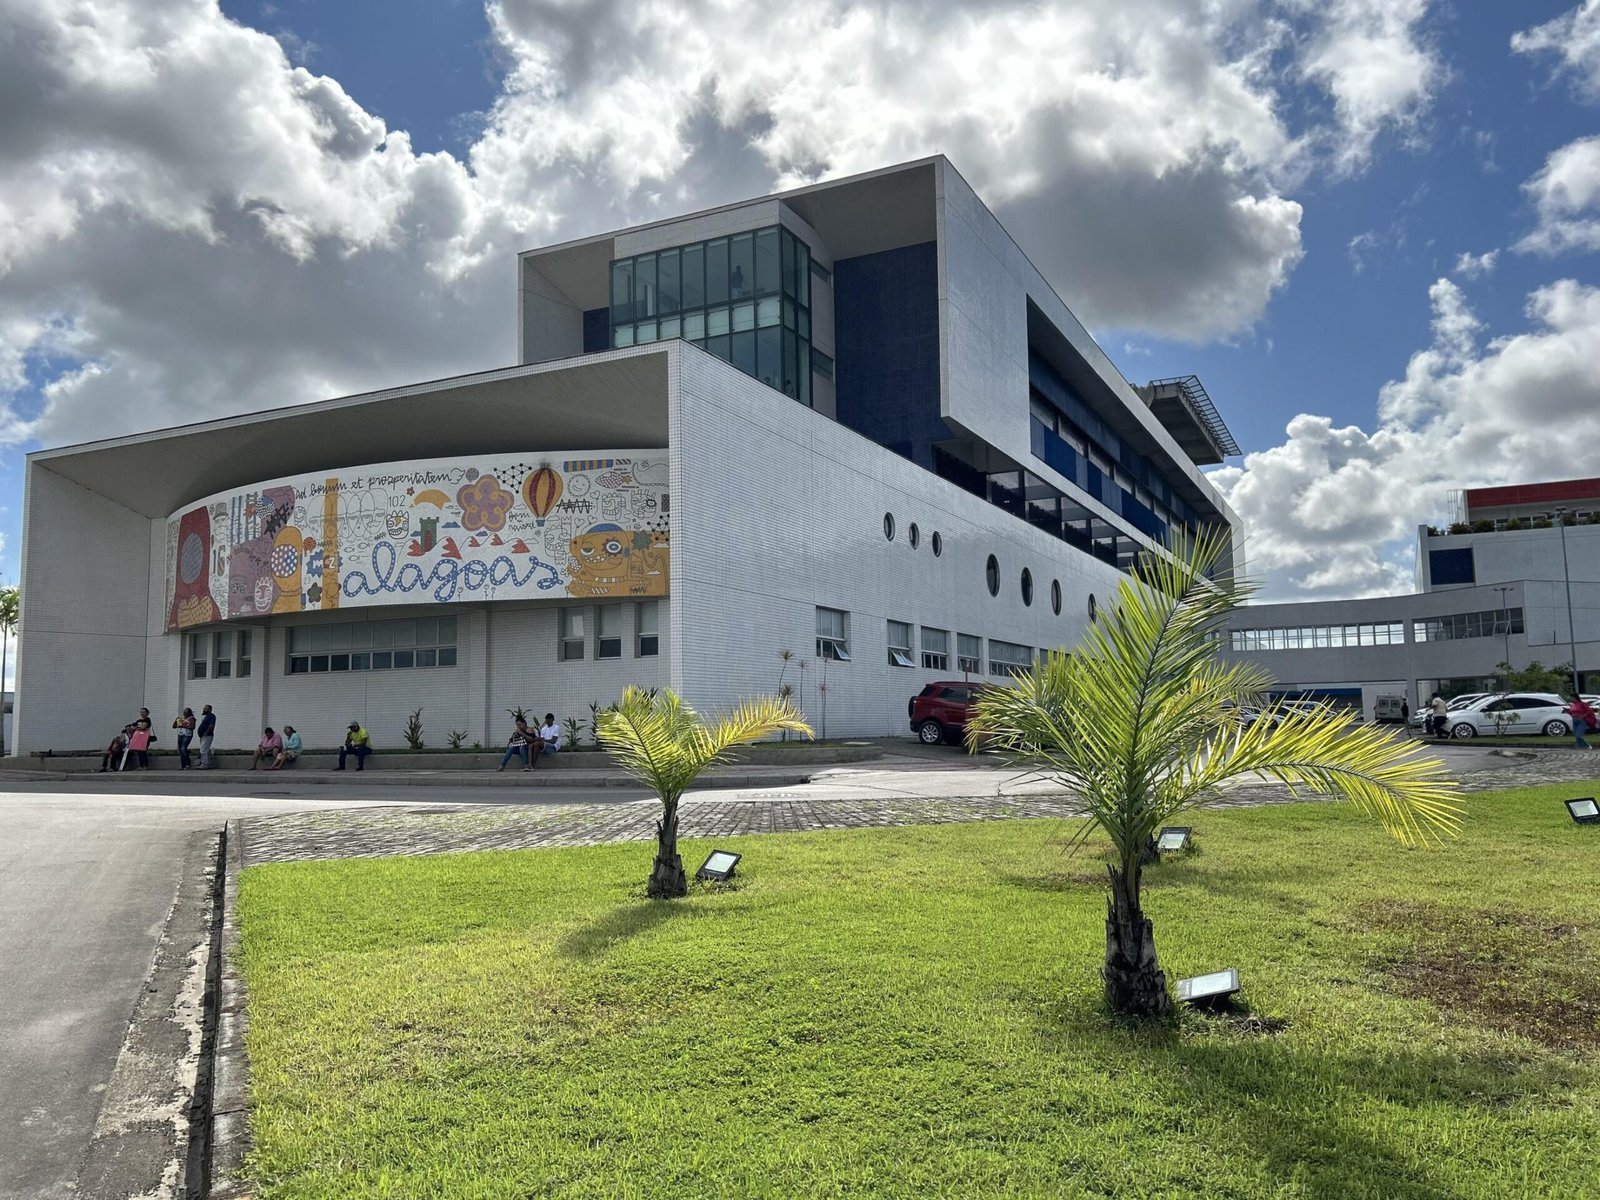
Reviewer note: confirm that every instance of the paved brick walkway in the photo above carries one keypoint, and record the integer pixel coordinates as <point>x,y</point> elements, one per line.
<point>375,832</point>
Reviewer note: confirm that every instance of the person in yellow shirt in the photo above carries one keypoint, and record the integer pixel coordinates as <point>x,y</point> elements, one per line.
<point>357,742</point>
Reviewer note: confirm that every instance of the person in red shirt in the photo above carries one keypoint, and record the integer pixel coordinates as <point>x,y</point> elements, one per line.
<point>1583,721</point>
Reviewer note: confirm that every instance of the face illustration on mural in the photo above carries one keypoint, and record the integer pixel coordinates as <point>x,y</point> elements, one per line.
<point>398,525</point>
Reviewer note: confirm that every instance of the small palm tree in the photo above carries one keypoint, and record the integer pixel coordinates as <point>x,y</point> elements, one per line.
<point>665,744</point>
<point>1142,722</point>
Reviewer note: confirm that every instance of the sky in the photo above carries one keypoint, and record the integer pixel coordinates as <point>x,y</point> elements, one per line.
<point>1371,227</point>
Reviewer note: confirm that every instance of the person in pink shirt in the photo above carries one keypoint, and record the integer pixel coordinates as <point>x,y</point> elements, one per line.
<point>267,748</point>
<point>1583,721</point>
<point>139,745</point>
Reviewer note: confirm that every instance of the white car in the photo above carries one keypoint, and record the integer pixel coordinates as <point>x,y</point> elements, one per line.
<point>1525,713</point>
<point>1419,719</point>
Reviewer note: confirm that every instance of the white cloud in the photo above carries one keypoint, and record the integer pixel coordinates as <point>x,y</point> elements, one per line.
<point>1475,266</point>
<point>1566,194</point>
<point>1332,511</point>
<point>191,224</point>
<point>1574,38</point>
<point>1371,57</point>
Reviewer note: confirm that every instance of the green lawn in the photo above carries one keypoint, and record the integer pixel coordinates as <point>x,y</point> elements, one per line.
<point>916,1012</point>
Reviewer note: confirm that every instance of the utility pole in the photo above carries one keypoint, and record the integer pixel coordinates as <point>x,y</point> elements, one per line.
<point>1566,575</point>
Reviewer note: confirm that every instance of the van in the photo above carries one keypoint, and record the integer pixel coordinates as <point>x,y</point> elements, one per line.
<point>1386,709</point>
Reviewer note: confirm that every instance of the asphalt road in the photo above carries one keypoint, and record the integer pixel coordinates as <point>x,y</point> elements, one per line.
<point>85,886</point>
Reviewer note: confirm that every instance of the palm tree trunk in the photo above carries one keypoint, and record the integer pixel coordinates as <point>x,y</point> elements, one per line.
<point>1136,986</point>
<point>667,880</point>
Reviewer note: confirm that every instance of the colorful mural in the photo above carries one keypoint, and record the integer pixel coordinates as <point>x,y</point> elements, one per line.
<point>495,527</point>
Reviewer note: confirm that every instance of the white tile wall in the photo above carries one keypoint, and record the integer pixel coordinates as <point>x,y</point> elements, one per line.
<point>778,510</point>
<point>81,655</point>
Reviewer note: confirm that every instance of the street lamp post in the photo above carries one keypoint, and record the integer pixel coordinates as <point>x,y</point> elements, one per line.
<point>1566,575</point>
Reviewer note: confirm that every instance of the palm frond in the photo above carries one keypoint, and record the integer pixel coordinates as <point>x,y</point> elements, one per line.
<point>1141,720</point>
<point>665,744</point>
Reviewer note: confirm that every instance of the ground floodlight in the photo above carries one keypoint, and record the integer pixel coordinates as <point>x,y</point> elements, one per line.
<point>1173,837</point>
<point>1584,811</point>
<point>719,866</point>
<point>1209,989</point>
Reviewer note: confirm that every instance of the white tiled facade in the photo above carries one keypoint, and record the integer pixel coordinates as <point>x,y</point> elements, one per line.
<point>780,510</point>
<point>776,509</point>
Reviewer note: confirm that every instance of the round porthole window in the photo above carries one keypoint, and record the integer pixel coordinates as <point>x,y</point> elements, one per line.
<point>937,543</point>
<point>1092,612</point>
<point>1055,596</point>
<point>991,575</point>
<point>915,535</point>
<point>1027,587</point>
<point>888,526</point>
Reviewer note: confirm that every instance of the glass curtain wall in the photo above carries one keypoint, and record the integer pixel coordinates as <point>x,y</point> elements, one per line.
<point>745,298</point>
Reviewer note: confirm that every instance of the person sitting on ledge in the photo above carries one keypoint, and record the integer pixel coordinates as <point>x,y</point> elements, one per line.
<point>549,735</point>
<point>357,742</point>
<point>289,751</point>
<point>267,748</point>
<point>111,760</point>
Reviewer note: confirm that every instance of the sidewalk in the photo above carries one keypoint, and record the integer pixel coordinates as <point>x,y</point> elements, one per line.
<point>733,775</point>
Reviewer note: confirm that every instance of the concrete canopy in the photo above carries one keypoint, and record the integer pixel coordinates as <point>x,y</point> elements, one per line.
<point>607,400</point>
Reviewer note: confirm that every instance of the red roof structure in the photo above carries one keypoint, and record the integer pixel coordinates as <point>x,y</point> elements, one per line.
<point>1532,493</point>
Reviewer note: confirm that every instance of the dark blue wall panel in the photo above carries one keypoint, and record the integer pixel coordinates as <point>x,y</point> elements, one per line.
<point>886,329</point>
<point>596,330</point>
<point>1452,566</point>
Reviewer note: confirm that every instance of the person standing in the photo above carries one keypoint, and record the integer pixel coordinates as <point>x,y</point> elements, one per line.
<point>207,732</point>
<point>185,727</point>
<point>1438,708</point>
<point>1583,721</point>
<point>517,744</point>
<point>357,742</point>
<point>1405,713</point>
<point>139,745</point>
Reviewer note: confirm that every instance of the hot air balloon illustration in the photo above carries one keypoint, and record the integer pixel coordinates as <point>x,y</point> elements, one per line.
<point>540,491</point>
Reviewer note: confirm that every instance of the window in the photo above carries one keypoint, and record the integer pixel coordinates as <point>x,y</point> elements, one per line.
<point>197,654</point>
<point>367,646</point>
<point>241,657</point>
<point>969,653</point>
<point>888,526</point>
<point>935,649</point>
<point>914,535</point>
<point>937,543</point>
<point>991,575</point>
<point>1318,637</point>
<point>608,643</point>
<point>572,635</point>
<point>745,299</point>
<point>1494,622</point>
<point>833,634</point>
<point>222,655</point>
<point>1027,587</point>
<point>821,363</point>
<point>1055,596</point>
<point>900,644</point>
<point>1008,658</point>
<point>649,643</point>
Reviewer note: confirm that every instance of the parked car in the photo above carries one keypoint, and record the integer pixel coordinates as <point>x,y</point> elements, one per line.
<point>939,713</point>
<point>1517,713</point>
<point>1419,719</point>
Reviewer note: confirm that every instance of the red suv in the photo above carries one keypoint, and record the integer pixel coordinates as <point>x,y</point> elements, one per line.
<point>940,712</point>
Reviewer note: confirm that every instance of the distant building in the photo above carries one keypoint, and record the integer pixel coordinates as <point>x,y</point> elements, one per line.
<point>1492,587</point>
<point>850,421</point>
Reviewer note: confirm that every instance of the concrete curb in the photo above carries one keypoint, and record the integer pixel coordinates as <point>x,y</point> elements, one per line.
<point>229,1126</point>
<point>142,1137</point>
